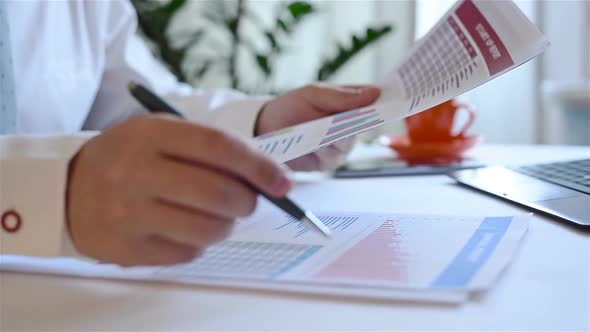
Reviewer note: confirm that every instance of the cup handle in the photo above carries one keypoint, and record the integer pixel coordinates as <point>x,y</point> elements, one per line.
<point>471,112</point>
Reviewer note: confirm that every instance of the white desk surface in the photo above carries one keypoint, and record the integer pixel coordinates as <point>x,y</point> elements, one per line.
<point>547,287</point>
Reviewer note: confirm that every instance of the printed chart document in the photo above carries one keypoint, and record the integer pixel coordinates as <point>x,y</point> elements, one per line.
<point>474,42</point>
<point>388,256</point>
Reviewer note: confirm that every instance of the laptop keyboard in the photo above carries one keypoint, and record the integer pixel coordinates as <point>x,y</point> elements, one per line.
<point>572,174</point>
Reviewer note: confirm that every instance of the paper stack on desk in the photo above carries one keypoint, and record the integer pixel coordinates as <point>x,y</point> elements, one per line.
<point>387,256</point>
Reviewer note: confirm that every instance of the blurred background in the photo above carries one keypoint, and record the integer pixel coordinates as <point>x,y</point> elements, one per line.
<point>269,46</point>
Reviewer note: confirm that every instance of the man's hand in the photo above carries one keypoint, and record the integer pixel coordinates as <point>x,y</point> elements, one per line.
<point>309,103</point>
<point>156,190</point>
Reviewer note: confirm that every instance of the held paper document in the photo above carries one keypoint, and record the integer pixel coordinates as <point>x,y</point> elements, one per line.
<point>476,41</point>
<point>392,256</point>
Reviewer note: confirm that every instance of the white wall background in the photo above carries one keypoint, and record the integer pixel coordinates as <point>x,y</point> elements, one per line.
<point>565,71</point>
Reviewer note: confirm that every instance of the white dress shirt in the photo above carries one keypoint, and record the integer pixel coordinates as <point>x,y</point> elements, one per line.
<point>72,62</point>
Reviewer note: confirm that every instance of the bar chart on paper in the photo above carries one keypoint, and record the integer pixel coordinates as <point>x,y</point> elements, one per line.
<point>350,123</point>
<point>369,250</point>
<point>377,257</point>
<point>264,258</point>
<point>246,259</point>
<point>297,228</point>
<point>289,143</point>
<point>442,62</point>
<point>271,144</point>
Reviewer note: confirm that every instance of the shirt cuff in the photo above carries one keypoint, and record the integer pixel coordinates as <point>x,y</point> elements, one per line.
<point>241,116</point>
<point>225,110</point>
<point>33,177</point>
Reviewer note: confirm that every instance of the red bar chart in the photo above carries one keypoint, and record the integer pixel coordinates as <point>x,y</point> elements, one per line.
<point>378,257</point>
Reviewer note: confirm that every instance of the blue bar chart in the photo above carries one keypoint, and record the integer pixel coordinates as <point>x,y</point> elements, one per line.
<point>270,146</point>
<point>246,259</point>
<point>335,223</point>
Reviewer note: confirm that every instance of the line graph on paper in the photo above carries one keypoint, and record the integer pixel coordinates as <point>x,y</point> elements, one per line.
<point>350,123</point>
<point>297,228</point>
<point>377,257</point>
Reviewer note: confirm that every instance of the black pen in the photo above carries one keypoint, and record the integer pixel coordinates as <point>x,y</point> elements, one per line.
<point>155,104</point>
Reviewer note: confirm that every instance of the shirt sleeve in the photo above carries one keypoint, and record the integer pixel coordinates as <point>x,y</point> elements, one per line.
<point>33,176</point>
<point>128,59</point>
<point>33,169</point>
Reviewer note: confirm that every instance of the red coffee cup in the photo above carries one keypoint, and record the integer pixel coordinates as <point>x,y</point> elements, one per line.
<point>436,124</point>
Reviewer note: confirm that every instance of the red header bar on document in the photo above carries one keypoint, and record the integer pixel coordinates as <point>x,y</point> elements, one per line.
<point>491,46</point>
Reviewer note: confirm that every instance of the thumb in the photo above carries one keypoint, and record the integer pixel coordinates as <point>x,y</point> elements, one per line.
<point>334,99</point>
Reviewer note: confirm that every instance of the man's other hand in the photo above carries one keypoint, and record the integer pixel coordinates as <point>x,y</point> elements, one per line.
<point>313,102</point>
<point>156,190</point>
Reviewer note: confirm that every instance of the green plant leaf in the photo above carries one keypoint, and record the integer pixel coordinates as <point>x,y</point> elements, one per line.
<point>201,71</point>
<point>345,53</point>
<point>299,9</point>
<point>173,6</point>
<point>155,16</point>
<point>283,26</point>
<point>272,40</point>
<point>263,64</point>
<point>232,24</point>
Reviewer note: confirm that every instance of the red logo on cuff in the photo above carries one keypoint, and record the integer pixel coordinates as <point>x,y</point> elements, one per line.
<point>11,221</point>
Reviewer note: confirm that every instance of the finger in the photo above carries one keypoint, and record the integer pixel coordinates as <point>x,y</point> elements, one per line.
<point>327,158</point>
<point>212,147</point>
<point>345,146</point>
<point>118,251</point>
<point>333,99</point>
<point>309,162</point>
<point>198,187</point>
<point>185,226</point>
<point>330,158</point>
<point>156,250</point>
<point>353,86</point>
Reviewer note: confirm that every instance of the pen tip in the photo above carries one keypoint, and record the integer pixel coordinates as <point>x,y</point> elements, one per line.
<point>131,85</point>
<point>317,223</point>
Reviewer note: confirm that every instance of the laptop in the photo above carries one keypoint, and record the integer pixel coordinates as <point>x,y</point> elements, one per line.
<point>560,189</point>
